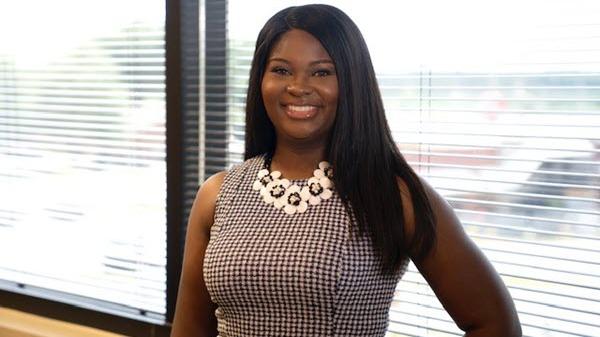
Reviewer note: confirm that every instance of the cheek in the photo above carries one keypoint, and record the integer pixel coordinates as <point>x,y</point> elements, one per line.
<point>333,105</point>
<point>264,91</point>
<point>331,93</point>
<point>269,90</point>
<point>269,98</point>
<point>332,98</point>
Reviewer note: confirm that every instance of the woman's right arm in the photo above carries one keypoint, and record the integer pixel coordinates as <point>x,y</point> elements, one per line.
<point>195,312</point>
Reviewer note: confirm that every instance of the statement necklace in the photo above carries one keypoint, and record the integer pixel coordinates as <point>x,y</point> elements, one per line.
<point>290,197</point>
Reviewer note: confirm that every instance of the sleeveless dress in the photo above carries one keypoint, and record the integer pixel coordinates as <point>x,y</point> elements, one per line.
<point>300,275</point>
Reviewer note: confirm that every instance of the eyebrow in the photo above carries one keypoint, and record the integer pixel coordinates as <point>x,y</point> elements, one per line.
<point>312,63</point>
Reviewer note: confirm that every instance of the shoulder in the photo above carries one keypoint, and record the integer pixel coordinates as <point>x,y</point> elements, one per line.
<point>439,206</point>
<point>449,235</point>
<point>208,195</point>
<point>209,191</point>
<point>438,203</point>
<point>211,186</point>
<point>203,209</point>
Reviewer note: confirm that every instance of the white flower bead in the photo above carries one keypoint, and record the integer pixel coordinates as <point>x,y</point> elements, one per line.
<point>325,182</point>
<point>274,187</point>
<point>289,209</point>
<point>302,207</point>
<point>319,173</point>
<point>305,193</point>
<point>263,191</point>
<point>323,165</point>
<point>327,169</point>
<point>326,194</point>
<point>278,203</point>
<point>268,188</point>
<point>264,177</point>
<point>268,198</point>
<point>294,200</point>
<point>314,200</point>
<point>293,188</point>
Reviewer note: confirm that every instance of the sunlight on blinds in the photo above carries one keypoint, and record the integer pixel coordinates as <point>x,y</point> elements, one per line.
<point>82,153</point>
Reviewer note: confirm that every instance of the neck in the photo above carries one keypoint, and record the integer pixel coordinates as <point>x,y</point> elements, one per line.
<point>297,162</point>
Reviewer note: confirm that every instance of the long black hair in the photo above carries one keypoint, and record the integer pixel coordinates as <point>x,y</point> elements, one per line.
<point>362,151</point>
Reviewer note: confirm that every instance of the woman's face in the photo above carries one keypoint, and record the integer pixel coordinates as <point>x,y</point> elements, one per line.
<point>300,88</point>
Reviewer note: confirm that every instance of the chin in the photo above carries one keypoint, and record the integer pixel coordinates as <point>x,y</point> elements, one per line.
<point>302,135</point>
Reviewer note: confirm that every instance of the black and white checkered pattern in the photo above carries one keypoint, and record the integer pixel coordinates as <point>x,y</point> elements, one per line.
<point>307,274</point>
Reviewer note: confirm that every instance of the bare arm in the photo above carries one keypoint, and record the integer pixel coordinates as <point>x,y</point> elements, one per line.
<point>462,278</point>
<point>194,312</point>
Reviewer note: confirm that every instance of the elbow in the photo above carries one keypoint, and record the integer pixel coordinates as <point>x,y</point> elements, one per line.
<point>513,324</point>
<point>514,330</point>
<point>504,331</point>
<point>508,327</point>
<point>504,321</point>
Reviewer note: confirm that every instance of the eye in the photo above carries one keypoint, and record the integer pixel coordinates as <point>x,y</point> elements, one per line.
<point>279,70</point>
<point>323,72</point>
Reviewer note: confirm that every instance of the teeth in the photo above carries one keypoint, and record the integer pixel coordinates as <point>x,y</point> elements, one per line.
<point>301,108</point>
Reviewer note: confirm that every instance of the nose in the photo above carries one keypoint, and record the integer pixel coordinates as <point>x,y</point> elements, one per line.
<point>298,87</point>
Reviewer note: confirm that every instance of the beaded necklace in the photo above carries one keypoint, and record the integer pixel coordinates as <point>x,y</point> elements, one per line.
<point>290,197</point>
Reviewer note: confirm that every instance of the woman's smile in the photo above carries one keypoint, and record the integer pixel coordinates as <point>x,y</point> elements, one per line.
<point>300,111</point>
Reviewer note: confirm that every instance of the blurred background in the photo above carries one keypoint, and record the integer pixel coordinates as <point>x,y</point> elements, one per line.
<point>112,112</point>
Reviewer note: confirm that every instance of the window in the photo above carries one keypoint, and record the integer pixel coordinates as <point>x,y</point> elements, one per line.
<point>496,104</point>
<point>82,153</point>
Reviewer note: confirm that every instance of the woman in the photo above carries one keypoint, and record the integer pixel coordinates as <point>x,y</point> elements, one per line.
<point>310,235</point>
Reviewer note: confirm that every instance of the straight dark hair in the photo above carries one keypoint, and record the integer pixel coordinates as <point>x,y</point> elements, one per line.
<point>365,158</point>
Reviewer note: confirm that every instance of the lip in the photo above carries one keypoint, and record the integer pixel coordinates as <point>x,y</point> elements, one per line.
<point>300,111</point>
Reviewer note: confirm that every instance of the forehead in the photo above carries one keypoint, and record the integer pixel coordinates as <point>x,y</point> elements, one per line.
<point>298,44</point>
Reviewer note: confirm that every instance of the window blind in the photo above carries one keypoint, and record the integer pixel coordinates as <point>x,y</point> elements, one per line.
<point>496,105</point>
<point>82,154</point>
<point>215,120</point>
<point>508,133</point>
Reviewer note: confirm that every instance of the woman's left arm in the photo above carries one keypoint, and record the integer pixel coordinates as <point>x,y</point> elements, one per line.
<point>463,279</point>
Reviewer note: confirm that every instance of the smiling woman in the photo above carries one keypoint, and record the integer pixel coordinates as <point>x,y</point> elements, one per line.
<point>251,269</point>
<point>501,119</point>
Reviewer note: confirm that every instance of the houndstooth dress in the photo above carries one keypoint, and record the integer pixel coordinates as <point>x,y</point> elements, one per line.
<point>307,274</point>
